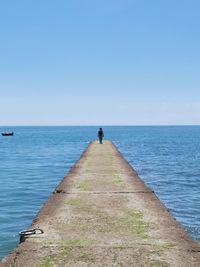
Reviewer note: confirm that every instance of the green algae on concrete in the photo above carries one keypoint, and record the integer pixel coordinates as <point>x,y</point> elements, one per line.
<point>118,180</point>
<point>84,185</point>
<point>102,220</point>
<point>133,221</point>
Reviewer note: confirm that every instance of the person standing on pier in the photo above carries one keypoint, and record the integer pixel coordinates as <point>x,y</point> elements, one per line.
<point>100,135</point>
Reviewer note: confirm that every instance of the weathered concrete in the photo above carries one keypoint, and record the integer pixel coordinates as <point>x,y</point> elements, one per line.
<point>102,214</point>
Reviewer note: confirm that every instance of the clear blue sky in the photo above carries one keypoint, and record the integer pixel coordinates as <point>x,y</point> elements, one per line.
<point>92,62</point>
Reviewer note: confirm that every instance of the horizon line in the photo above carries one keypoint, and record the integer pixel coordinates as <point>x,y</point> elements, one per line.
<point>94,125</point>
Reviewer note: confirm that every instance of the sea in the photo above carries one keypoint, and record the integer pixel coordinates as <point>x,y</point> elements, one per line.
<point>35,159</point>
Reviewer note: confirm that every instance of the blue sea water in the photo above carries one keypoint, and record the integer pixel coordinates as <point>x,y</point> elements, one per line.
<point>35,159</point>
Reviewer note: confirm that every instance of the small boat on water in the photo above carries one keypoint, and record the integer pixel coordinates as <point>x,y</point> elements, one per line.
<point>8,134</point>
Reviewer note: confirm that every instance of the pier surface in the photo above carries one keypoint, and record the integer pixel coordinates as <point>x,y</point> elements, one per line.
<point>102,214</point>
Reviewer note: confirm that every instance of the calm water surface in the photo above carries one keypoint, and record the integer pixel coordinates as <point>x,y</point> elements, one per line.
<point>35,159</point>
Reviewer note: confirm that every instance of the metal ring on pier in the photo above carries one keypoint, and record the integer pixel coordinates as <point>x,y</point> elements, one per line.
<point>26,233</point>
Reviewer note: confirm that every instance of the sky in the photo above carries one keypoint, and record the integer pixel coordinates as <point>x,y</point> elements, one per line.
<point>92,62</point>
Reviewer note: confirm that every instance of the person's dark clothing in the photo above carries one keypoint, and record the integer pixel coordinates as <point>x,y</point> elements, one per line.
<point>100,135</point>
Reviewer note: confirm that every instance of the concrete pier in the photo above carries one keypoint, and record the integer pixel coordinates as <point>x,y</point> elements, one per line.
<point>102,214</point>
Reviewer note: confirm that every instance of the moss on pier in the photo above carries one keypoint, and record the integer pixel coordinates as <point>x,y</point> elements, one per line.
<point>133,221</point>
<point>84,185</point>
<point>118,181</point>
